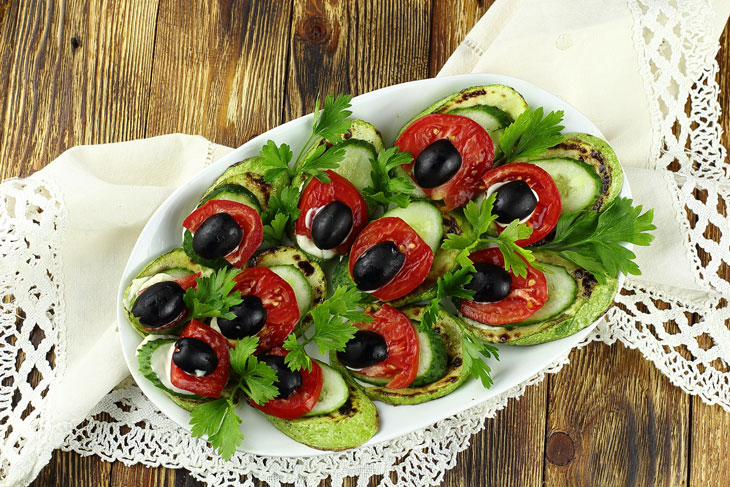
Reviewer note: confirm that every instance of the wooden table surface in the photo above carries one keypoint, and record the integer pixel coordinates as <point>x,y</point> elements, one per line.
<point>77,72</point>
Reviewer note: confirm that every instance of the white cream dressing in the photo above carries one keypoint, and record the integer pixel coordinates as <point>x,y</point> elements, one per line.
<point>308,246</point>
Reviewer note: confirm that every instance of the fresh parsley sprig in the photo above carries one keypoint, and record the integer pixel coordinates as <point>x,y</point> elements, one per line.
<point>475,352</point>
<point>530,135</point>
<point>481,218</point>
<point>218,418</point>
<point>332,327</point>
<point>389,187</point>
<point>282,210</point>
<point>592,240</point>
<point>212,297</point>
<point>329,123</point>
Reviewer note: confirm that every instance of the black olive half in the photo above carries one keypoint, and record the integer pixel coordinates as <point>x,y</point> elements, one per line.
<point>515,201</point>
<point>366,348</point>
<point>217,236</point>
<point>250,318</point>
<point>160,304</point>
<point>331,225</point>
<point>287,380</point>
<point>490,283</point>
<point>194,356</point>
<point>377,266</point>
<point>436,164</point>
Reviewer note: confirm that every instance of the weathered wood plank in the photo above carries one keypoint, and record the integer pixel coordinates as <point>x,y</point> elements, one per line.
<point>613,419</point>
<point>8,21</point>
<point>451,22</point>
<point>72,470</point>
<point>219,68</point>
<point>354,47</point>
<point>143,476</point>
<point>80,74</point>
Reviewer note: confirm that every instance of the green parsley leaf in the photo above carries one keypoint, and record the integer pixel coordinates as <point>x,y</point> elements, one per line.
<point>450,284</point>
<point>219,421</point>
<point>593,240</point>
<point>275,230</point>
<point>474,353</point>
<point>332,327</point>
<point>331,121</point>
<point>481,218</point>
<point>277,158</point>
<point>389,187</point>
<point>212,297</point>
<point>245,348</point>
<point>258,381</point>
<point>531,134</point>
<point>321,160</point>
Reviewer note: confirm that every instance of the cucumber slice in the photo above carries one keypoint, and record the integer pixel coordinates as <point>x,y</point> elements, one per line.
<point>562,290</point>
<point>425,219</point>
<point>334,392</point>
<point>432,358</point>
<point>311,271</point>
<point>355,165</point>
<point>177,272</point>
<point>249,174</point>
<point>232,192</point>
<point>489,117</point>
<point>417,193</point>
<point>366,131</point>
<point>300,285</point>
<point>376,381</point>
<point>578,183</point>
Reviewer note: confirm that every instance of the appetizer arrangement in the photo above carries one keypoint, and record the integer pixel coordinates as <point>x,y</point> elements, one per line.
<point>483,224</point>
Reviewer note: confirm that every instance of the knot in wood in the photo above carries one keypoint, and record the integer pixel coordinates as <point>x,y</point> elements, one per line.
<point>75,43</point>
<point>560,449</point>
<point>315,30</point>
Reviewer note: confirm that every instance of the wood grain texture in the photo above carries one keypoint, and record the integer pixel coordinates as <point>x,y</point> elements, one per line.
<point>353,47</point>
<point>219,68</point>
<point>76,77</point>
<point>451,22</point>
<point>613,419</point>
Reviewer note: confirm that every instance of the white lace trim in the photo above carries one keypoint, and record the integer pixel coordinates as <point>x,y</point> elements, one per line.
<point>689,342</point>
<point>32,338</point>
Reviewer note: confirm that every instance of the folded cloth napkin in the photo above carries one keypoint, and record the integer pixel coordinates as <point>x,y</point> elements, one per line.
<point>632,67</point>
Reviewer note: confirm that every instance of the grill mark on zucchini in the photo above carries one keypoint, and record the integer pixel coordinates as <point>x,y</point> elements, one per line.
<point>306,268</point>
<point>265,187</point>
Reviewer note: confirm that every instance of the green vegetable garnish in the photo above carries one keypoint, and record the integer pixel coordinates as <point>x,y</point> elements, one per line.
<point>530,135</point>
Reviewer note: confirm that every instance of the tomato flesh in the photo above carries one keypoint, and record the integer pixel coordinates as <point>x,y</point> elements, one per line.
<point>547,211</point>
<point>401,366</point>
<point>246,217</point>
<point>468,137</point>
<point>527,294</point>
<point>278,299</point>
<point>212,384</point>
<point>418,255</point>
<point>302,399</point>
<point>186,282</point>
<point>317,194</point>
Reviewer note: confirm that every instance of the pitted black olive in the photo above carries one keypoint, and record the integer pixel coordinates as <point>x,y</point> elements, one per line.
<point>217,236</point>
<point>490,283</point>
<point>331,225</point>
<point>287,380</point>
<point>194,356</point>
<point>436,164</point>
<point>250,318</point>
<point>377,266</point>
<point>515,201</point>
<point>366,348</point>
<point>159,304</point>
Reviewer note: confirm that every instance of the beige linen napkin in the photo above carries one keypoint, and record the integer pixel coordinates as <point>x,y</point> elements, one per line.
<point>71,226</point>
<point>80,216</point>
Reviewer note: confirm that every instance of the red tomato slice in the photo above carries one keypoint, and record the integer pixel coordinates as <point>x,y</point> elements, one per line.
<point>187,282</point>
<point>469,138</point>
<point>528,294</point>
<point>318,194</point>
<point>212,384</point>
<point>547,211</point>
<point>416,266</point>
<point>302,400</point>
<point>400,335</point>
<point>279,300</point>
<point>247,218</point>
